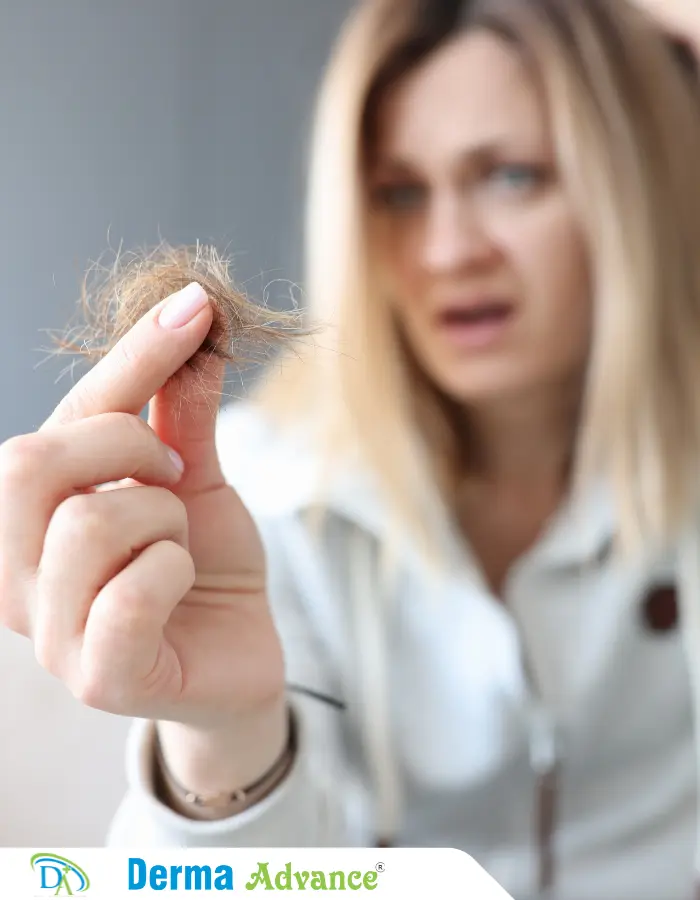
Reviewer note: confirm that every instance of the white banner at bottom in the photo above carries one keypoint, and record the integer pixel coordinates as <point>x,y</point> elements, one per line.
<point>111,874</point>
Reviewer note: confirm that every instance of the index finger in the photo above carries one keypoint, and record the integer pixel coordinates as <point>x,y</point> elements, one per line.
<point>142,361</point>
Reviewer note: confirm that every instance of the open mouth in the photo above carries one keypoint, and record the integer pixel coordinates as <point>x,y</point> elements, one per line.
<point>478,324</point>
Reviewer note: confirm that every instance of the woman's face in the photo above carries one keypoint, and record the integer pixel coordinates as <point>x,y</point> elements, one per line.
<point>476,239</point>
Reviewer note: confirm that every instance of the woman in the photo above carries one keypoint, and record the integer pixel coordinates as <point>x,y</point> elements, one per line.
<point>504,219</point>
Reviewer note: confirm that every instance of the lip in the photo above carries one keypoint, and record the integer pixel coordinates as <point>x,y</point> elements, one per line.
<point>475,322</point>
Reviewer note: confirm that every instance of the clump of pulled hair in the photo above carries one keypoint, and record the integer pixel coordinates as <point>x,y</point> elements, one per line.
<point>113,298</point>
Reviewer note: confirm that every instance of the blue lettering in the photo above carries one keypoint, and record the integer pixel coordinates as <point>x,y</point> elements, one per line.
<point>224,878</point>
<point>59,876</point>
<point>197,874</point>
<point>137,873</point>
<point>158,878</point>
<point>173,878</point>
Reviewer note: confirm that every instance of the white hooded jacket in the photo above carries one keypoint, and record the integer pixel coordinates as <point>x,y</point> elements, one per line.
<point>550,736</point>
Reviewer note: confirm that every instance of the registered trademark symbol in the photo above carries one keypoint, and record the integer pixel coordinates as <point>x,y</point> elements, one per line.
<point>379,867</point>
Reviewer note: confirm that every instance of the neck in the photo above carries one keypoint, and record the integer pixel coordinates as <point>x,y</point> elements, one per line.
<point>525,441</point>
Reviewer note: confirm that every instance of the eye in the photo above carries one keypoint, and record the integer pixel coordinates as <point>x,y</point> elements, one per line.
<point>519,177</point>
<point>400,197</point>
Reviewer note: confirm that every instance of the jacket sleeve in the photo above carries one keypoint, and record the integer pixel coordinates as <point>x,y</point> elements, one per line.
<point>319,804</point>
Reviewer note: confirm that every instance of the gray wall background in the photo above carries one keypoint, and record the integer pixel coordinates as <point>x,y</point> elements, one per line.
<point>129,121</point>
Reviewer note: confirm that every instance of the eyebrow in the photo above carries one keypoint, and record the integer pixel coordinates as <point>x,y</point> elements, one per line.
<point>485,151</point>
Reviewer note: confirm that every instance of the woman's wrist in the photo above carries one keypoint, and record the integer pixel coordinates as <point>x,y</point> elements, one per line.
<point>242,762</point>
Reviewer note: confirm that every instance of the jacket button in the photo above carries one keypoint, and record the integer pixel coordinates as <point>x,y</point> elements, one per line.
<point>660,609</point>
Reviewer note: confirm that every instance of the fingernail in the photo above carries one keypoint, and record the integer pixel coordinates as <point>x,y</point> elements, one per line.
<point>176,460</point>
<point>183,306</point>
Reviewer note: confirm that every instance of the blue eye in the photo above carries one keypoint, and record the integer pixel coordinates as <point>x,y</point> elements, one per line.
<point>516,177</point>
<point>399,197</point>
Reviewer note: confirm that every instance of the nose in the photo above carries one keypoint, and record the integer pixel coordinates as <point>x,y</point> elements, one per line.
<point>454,237</point>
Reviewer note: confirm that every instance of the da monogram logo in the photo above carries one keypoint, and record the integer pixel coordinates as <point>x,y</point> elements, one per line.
<point>58,876</point>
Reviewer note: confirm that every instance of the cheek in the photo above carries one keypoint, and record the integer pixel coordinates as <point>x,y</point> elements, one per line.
<point>549,259</point>
<point>396,252</point>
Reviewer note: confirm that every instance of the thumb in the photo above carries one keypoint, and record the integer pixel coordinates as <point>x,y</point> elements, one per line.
<point>183,414</point>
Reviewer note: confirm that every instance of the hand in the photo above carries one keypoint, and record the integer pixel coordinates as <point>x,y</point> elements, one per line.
<point>680,18</point>
<point>141,587</point>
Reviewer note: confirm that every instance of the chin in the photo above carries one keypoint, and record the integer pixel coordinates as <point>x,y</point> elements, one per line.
<point>482,382</point>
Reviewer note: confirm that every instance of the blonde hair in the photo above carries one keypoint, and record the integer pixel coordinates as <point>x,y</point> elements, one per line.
<point>626,125</point>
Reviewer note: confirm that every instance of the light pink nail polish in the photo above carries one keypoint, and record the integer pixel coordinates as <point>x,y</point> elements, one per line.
<point>176,460</point>
<point>183,306</point>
